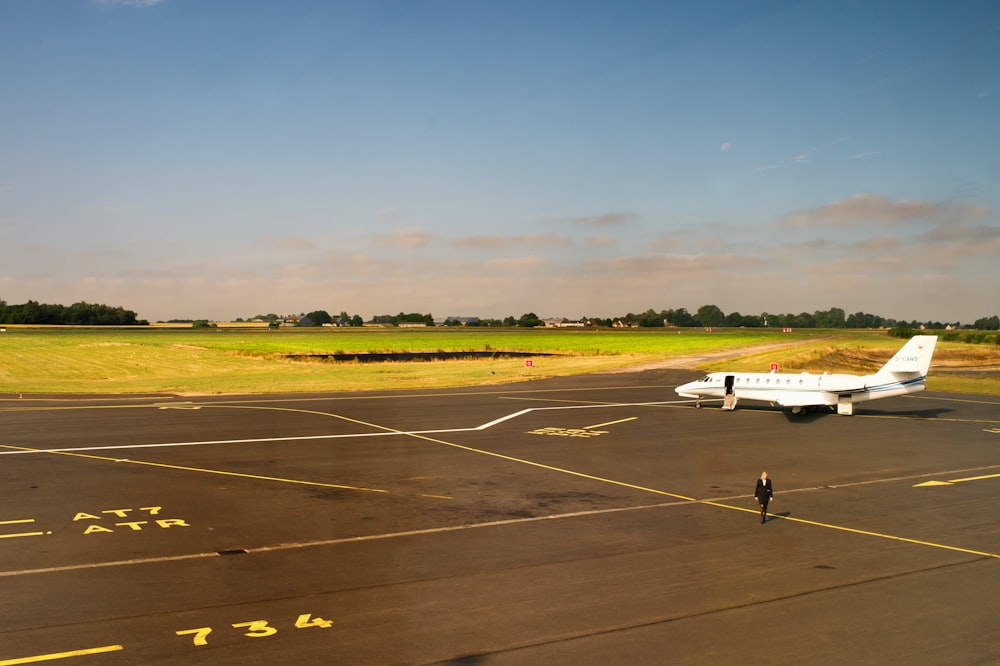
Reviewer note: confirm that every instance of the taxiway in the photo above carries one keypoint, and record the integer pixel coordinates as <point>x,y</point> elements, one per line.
<point>579,520</point>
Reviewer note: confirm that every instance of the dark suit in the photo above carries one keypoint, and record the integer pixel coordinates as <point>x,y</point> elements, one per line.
<point>763,492</point>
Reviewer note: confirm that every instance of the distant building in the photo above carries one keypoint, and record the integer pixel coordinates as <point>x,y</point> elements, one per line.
<point>557,322</point>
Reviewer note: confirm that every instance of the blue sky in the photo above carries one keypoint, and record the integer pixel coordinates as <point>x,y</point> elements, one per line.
<point>209,159</point>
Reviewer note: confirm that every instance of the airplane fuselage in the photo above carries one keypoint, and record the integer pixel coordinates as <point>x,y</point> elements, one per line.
<point>904,373</point>
<point>798,390</point>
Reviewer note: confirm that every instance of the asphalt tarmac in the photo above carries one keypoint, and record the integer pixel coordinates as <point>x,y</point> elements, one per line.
<point>586,520</point>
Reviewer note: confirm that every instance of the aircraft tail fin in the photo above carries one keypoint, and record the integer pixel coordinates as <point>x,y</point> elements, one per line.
<point>913,359</point>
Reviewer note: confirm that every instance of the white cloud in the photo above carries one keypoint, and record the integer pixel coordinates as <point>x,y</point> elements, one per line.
<point>128,3</point>
<point>865,209</point>
<point>291,243</point>
<point>519,262</point>
<point>862,246</point>
<point>503,242</point>
<point>602,242</point>
<point>667,243</point>
<point>886,275</point>
<point>405,238</point>
<point>612,219</point>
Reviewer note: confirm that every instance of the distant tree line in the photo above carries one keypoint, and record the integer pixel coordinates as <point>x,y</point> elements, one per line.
<point>706,315</point>
<point>404,318</point>
<point>314,318</point>
<point>78,314</point>
<point>528,320</point>
<point>92,314</point>
<point>967,335</point>
<point>711,315</point>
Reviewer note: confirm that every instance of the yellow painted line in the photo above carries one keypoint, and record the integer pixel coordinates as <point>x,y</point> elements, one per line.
<point>216,471</point>
<point>503,394</point>
<point>521,461</point>
<point>584,403</point>
<point>272,409</point>
<point>852,530</point>
<point>704,502</point>
<point>339,540</point>
<point>682,497</point>
<point>71,407</point>
<point>61,655</point>
<point>101,565</point>
<point>601,425</point>
<point>20,521</point>
<point>550,468</point>
<point>553,468</point>
<point>198,469</point>
<point>935,398</point>
<point>974,478</point>
<point>932,419</point>
<point>953,481</point>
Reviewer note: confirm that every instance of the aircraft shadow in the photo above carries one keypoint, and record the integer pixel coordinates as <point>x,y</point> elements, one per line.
<point>810,416</point>
<point>932,413</point>
<point>814,415</point>
<point>817,413</point>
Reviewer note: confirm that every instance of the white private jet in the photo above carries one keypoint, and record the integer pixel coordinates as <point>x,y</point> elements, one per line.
<point>904,373</point>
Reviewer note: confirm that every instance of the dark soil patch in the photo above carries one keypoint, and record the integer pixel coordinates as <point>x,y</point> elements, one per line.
<point>405,357</point>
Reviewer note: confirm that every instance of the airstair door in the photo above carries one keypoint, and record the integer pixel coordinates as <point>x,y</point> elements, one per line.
<point>730,400</point>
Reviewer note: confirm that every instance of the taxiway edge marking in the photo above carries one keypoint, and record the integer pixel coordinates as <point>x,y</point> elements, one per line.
<point>208,471</point>
<point>61,655</point>
<point>854,530</point>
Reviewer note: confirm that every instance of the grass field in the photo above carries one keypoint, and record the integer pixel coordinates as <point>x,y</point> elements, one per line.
<point>246,360</point>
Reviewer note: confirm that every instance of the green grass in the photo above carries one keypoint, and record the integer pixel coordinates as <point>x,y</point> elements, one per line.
<point>246,360</point>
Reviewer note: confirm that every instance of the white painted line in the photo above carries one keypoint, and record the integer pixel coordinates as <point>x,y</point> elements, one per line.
<point>303,438</point>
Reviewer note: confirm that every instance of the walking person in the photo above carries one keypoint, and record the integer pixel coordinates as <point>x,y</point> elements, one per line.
<point>763,493</point>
